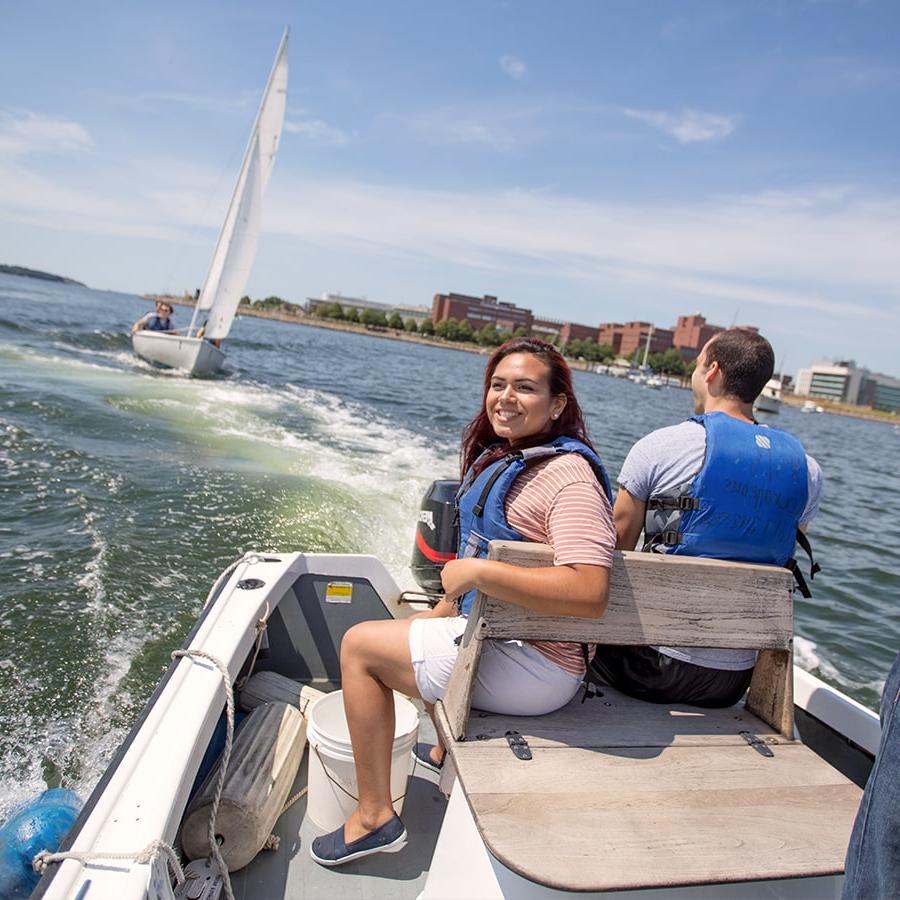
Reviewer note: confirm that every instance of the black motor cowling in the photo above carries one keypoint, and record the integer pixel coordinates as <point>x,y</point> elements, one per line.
<point>435,535</point>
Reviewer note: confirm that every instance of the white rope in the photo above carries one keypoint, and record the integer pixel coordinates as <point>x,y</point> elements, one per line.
<point>159,847</point>
<point>141,857</point>
<point>249,558</point>
<point>261,625</point>
<point>215,853</point>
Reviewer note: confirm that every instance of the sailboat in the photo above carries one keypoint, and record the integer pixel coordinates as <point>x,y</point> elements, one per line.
<point>645,375</point>
<point>197,352</point>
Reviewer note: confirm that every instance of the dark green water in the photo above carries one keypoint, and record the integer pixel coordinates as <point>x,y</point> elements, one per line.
<point>124,491</point>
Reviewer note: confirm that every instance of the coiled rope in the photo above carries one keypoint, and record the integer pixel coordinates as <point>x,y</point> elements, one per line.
<point>159,847</point>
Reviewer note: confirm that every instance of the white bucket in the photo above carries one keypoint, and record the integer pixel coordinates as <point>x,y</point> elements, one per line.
<point>332,775</point>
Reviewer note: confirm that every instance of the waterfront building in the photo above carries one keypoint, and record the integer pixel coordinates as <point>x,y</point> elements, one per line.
<point>610,333</point>
<point>419,313</point>
<point>880,392</point>
<point>691,333</point>
<point>563,331</point>
<point>840,381</point>
<point>634,337</point>
<point>480,311</point>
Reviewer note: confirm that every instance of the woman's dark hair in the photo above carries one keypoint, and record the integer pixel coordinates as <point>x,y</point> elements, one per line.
<point>479,434</point>
<point>746,359</point>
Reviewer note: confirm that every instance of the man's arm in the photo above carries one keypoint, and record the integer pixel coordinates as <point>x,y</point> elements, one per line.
<point>628,515</point>
<point>139,325</point>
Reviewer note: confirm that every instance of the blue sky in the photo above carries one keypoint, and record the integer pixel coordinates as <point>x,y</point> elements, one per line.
<point>594,161</point>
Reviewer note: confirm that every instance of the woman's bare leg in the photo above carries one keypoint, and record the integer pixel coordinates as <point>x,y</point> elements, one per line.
<point>375,660</point>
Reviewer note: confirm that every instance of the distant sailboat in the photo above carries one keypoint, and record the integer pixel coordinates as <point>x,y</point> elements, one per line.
<point>232,260</point>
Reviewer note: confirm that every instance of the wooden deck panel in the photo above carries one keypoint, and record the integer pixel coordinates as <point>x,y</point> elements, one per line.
<point>631,816</point>
<point>672,837</point>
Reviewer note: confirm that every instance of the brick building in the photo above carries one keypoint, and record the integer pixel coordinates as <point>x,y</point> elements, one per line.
<point>691,333</point>
<point>626,339</point>
<point>610,333</point>
<point>480,311</point>
<point>565,331</point>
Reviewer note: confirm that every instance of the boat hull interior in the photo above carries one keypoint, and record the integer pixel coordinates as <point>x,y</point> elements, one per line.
<point>309,602</point>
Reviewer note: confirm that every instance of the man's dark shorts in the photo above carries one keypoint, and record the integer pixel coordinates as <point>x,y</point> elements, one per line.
<point>647,674</point>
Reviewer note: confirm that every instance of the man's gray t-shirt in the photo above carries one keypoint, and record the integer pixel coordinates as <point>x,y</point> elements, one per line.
<point>659,464</point>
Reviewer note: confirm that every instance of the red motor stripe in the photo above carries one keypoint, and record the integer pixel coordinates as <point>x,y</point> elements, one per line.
<point>432,555</point>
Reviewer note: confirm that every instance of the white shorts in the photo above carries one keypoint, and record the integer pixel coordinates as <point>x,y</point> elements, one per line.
<point>512,676</point>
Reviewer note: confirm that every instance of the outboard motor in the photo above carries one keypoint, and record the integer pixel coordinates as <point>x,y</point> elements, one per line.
<point>436,537</point>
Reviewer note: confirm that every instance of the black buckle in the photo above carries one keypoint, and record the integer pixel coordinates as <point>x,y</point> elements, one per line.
<point>671,538</point>
<point>688,503</point>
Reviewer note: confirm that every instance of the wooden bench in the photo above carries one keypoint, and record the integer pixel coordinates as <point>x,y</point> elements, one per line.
<point>623,794</point>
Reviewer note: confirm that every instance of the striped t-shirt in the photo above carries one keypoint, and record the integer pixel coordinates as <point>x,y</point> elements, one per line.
<point>560,502</point>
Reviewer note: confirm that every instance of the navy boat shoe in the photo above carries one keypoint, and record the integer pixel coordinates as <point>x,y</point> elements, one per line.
<point>422,753</point>
<point>332,850</point>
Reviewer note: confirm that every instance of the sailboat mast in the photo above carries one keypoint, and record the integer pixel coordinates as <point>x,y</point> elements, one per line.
<point>201,301</point>
<point>647,347</point>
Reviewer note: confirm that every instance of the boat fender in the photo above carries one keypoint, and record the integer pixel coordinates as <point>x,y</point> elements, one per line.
<point>39,824</point>
<point>214,749</point>
<point>270,687</point>
<point>264,763</point>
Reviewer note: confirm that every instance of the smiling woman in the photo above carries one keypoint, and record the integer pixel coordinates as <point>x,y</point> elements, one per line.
<point>529,474</point>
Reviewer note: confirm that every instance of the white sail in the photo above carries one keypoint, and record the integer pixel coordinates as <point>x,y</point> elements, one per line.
<point>236,247</point>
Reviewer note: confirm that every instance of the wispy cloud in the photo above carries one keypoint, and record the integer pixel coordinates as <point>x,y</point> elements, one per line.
<point>318,131</point>
<point>513,67</point>
<point>689,126</point>
<point>27,132</point>
<point>826,249</point>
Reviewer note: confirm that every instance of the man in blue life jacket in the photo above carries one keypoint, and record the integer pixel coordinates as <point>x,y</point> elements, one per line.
<point>161,320</point>
<point>720,486</point>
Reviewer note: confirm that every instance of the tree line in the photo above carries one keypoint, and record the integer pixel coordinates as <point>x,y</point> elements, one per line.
<point>455,331</point>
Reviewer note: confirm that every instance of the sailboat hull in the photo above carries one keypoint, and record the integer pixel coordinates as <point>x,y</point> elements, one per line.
<point>191,355</point>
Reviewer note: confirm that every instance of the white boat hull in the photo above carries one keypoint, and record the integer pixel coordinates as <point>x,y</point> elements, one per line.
<point>192,355</point>
<point>767,404</point>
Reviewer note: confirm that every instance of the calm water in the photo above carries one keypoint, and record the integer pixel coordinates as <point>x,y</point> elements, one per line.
<point>124,491</point>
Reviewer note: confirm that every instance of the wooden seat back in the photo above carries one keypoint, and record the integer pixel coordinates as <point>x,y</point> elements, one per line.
<point>653,599</point>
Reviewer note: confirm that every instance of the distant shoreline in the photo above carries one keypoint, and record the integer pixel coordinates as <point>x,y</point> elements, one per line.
<point>23,272</point>
<point>301,318</point>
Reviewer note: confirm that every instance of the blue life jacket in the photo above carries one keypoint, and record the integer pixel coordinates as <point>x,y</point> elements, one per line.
<point>743,505</point>
<point>481,501</point>
<point>155,323</point>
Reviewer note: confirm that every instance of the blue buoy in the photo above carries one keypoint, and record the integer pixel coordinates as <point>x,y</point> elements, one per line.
<point>40,824</point>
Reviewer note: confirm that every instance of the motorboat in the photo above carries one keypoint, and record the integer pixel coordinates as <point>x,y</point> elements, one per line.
<point>769,400</point>
<point>197,352</point>
<point>773,822</point>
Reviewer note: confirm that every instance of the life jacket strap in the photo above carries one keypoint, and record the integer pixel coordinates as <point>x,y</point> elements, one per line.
<point>682,503</point>
<point>804,543</point>
<point>590,689</point>
<point>662,539</point>
<point>508,460</point>
<point>802,586</point>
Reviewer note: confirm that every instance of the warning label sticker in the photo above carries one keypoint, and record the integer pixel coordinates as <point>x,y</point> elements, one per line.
<point>339,592</point>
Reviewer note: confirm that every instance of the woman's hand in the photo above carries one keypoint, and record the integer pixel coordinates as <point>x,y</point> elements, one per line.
<point>459,576</point>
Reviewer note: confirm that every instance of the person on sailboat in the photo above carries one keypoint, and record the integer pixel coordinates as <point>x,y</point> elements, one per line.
<point>721,486</point>
<point>161,320</point>
<point>530,474</point>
